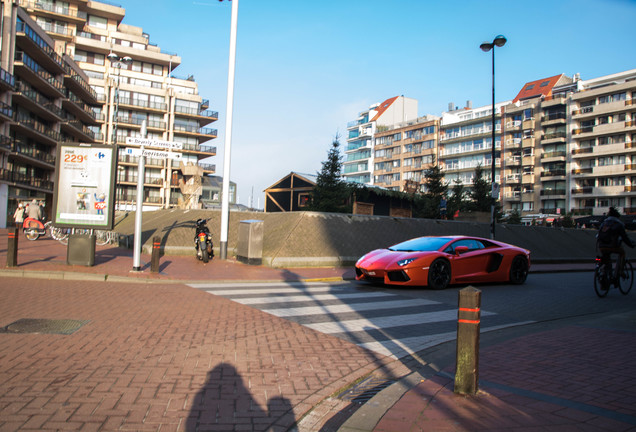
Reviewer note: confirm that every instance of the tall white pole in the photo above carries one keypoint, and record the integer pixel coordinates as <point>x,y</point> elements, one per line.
<point>140,203</point>
<point>225,195</point>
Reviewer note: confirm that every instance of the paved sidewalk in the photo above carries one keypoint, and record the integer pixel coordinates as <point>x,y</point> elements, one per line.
<point>160,356</point>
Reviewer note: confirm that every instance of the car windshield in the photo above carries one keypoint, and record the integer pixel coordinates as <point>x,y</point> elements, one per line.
<point>421,244</point>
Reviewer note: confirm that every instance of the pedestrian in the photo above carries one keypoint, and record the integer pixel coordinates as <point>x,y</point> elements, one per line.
<point>34,211</point>
<point>18,216</point>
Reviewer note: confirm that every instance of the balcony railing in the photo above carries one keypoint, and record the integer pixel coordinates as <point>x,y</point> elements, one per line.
<point>553,154</point>
<point>550,192</point>
<point>58,9</point>
<point>195,129</point>
<point>143,103</point>
<point>36,126</point>
<point>22,27</point>
<point>207,167</point>
<point>6,110</point>
<point>38,70</point>
<point>23,179</point>
<point>7,78</point>
<point>553,173</point>
<point>29,150</point>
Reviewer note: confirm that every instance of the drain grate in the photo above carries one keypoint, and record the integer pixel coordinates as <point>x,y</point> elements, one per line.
<point>365,389</point>
<point>44,326</point>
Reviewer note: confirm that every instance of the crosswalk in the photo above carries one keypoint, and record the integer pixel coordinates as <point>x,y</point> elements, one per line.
<point>384,322</point>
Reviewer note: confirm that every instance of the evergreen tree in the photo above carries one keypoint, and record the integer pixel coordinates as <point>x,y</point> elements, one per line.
<point>514,218</point>
<point>457,199</point>
<point>436,191</point>
<point>331,192</point>
<point>480,195</point>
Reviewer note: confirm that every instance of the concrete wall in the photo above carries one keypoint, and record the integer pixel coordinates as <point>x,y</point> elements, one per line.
<point>330,239</point>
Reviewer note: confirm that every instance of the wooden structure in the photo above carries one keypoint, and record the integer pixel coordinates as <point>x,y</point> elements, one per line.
<point>291,193</point>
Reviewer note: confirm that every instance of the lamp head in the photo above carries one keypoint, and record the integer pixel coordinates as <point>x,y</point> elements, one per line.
<point>126,60</point>
<point>486,46</point>
<point>500,40</point>
<point>112,57</point>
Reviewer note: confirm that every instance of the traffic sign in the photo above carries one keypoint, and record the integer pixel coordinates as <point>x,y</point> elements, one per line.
<point>171,145</point>
<point>155,154</point>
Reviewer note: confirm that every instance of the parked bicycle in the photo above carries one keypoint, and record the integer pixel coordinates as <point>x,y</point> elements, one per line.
<point>605,276</point>
<point>62,234</point>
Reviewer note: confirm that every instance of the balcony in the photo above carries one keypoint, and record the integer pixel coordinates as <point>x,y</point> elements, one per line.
<point>204,117</point>
<point>35,129</point>
<point>7,81</point>
<point>6,112</point>
<point>28,39</point>
<point>513,124</point>
<point>54,11</point>
<point>209,168</point>
<point>34,102</point>
<point>26,151</point>
<point>553,156</point>
<point>149,106</point>
<point>78,130</point>
<point>556,137</point>
<point>59,31</point>
<point>553,173</point>
<point>80,87</point>
<point>204,133</point>
<point>513,143</point>
<point>580,171</point>
<point>552,192</point>
<point>30,71</point>
<point>26,180</point>
<point>82,111</point>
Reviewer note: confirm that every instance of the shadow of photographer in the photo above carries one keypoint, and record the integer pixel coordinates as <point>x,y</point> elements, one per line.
<point>224,401</point>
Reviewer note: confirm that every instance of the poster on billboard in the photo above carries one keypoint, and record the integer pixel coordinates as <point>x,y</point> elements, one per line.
<point>85,187</point>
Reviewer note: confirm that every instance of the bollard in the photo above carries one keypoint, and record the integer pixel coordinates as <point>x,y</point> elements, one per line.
<point>468,319</point>
<point>12,247</point>
<point>154,259</point>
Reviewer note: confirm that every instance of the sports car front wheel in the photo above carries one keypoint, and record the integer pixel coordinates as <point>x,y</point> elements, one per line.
<point>518,270</point>
<point>439,274</point>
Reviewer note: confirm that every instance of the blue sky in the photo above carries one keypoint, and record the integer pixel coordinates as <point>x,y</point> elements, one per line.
<point>306,68</point>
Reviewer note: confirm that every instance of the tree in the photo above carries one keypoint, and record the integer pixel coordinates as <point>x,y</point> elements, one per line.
<point>436,191</point>
<point>514,218</point>
<point>457,199</point>
<point>480,195</point>
<point>331,192</point>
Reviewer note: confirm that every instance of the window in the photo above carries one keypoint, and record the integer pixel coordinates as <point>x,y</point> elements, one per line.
<point>612,98</point>
<point>81,56</point>
<point>530,87</point>
<point>99,59</point>
<point>97,22</point>
<point>544,83</point>
<point>136,66</point>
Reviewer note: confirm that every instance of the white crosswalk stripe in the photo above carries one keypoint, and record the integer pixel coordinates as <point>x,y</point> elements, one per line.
<point>381,321</point>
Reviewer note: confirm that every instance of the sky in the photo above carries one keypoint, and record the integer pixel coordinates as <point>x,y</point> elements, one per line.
<point>305,68</point>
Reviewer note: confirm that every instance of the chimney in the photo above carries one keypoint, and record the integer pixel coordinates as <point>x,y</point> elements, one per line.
<point>469,104</point>
<point>450,106</point>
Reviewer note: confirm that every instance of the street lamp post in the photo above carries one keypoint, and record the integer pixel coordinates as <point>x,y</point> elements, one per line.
<point>499,41</point>
<point>225,195</point>
<point>117,61</point>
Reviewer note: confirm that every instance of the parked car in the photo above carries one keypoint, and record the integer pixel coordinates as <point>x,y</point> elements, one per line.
<point>438,261</point>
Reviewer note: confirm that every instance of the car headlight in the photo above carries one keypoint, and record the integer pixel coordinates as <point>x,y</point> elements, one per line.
<point>405,261</point>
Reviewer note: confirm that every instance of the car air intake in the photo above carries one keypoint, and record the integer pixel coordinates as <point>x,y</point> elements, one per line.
<point>398,276</point>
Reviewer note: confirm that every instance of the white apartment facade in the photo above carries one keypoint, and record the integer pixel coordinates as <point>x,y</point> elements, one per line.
<point>358,164</point>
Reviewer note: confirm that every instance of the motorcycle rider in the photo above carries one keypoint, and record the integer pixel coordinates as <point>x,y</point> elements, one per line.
<point>201,227</point>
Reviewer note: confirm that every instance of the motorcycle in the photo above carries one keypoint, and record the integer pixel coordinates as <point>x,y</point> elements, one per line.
<point>203,241</point>
<point>33,228</point>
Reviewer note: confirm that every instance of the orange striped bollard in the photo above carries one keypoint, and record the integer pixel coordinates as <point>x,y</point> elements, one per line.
<point>154,258</point>
<point>12,247</point>
<point>468,320</point>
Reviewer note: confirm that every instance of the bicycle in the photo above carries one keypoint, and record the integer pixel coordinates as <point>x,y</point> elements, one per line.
<point>605,276</point>
<point>59,234</point>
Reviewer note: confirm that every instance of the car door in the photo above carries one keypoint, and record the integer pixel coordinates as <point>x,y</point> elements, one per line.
<point>471,264</point>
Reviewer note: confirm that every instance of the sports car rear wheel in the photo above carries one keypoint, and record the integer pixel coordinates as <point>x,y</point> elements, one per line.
<point>518,270</point>
<point>439,274</point>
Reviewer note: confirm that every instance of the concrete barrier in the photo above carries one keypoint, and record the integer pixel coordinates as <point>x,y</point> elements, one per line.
<point>299,239</point>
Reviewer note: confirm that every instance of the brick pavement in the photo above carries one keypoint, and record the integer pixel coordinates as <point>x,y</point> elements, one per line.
<point>161,357</point>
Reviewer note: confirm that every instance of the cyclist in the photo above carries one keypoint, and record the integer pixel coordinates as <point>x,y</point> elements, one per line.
<point>610,235</point>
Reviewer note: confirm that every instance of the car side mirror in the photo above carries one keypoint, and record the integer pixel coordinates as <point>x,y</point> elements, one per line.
<point>461,249</point>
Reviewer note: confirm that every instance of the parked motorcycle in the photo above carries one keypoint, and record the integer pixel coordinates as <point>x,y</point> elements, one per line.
<point>203,241</point>
<point>33,229</point>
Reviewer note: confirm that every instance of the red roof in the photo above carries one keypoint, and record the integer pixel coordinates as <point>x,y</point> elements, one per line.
<point>383,107</point>
<point>542,87</point>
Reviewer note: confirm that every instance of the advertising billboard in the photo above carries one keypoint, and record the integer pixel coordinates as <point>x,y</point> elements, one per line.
<point>84,195</point>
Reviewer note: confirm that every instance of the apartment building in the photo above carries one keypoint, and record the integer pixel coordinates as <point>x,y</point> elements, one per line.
<point>45,99</point>
<point>466,141</point>
<point>602,147</point>
<point>535,148</point>
<point>134,83</point>
<point>359,158</point>
<point>403,152</point>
